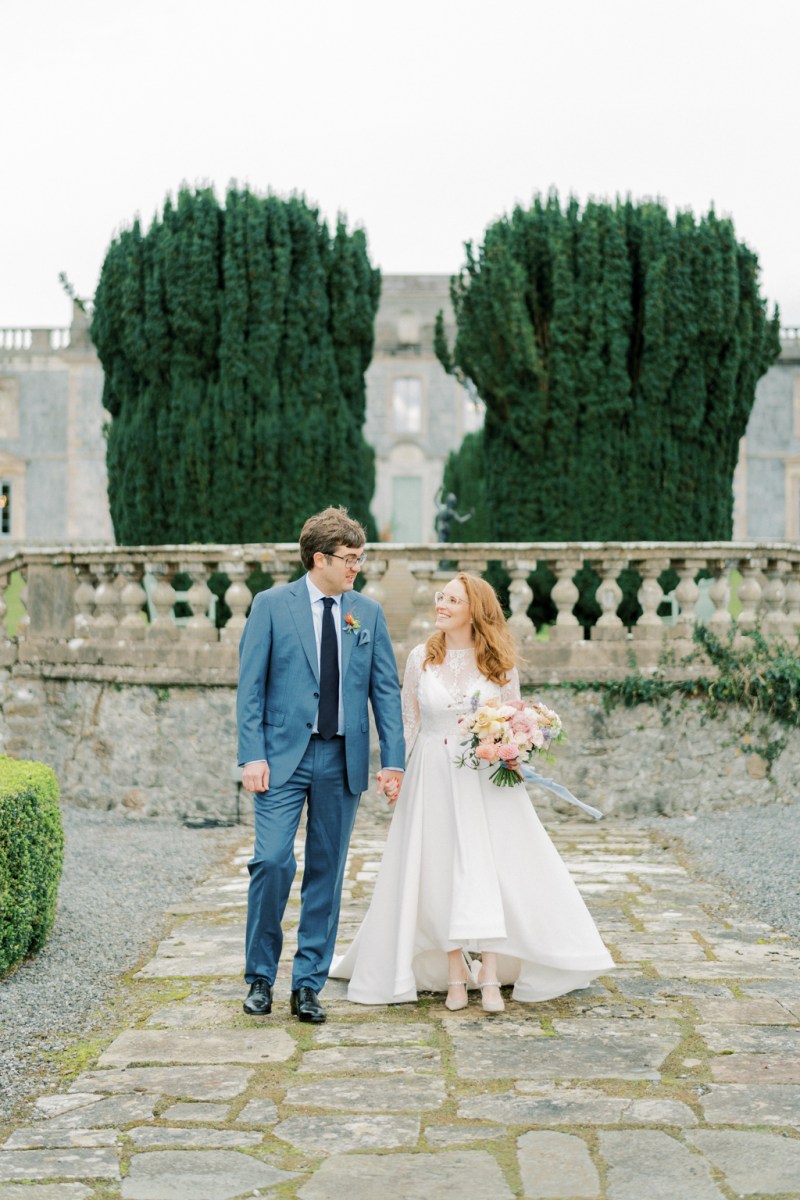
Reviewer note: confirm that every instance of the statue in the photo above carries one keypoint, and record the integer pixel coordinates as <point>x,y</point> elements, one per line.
<point>446,514</point>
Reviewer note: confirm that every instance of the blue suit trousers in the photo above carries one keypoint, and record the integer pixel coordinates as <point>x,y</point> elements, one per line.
<point>320,782</point>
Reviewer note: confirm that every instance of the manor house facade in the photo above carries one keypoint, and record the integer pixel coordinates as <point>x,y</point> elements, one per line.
<point>52,443</point>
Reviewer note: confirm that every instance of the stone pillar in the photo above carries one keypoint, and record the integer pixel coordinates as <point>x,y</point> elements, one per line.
<point>199,597</point>
<point>749,595</point>
<point>520,596</point>
<point>374,570</point>
<point>565,596</point>
<point>793,601</point>
<point>609,627</point>
<point>132,602</point>
<point>650,626</point>
<point>238,598</point>
<point>83,599</point>
<point>686,593</point>
<point>106,602</point>
<point>422,622</point>
<point>162,627</point>
<point>774,621</point>
<point>719,623</point>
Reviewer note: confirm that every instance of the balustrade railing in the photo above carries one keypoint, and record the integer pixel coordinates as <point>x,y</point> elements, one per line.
<point>34,340</point>
<point>156,612</point>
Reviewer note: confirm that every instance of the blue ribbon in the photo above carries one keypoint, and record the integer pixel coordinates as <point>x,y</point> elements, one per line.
<point>558,789</point>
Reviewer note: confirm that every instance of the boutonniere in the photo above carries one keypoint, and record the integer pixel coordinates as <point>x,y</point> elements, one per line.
<point>351,623</point>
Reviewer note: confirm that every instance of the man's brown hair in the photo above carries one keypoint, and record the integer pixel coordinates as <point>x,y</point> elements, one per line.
<point>326,530</point>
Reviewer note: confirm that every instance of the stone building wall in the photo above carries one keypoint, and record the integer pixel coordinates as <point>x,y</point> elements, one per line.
<point>171,752</point>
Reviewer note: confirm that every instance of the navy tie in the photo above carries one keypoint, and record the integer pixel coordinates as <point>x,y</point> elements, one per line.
<point>328,717</point>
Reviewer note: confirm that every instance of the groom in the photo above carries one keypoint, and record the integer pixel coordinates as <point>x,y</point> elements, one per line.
<point>312,653</point>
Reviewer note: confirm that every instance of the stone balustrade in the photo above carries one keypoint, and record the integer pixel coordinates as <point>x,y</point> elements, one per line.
<point>36,340</point>
<point>115,614</point>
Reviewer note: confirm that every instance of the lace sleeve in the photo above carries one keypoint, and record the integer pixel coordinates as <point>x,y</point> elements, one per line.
<point>511,690</point>
<point>411,680</point>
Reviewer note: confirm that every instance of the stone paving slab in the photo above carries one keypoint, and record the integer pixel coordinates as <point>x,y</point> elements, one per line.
<point>461,1135</point>
<point>44,1191</point>
<point>554,1165</point>
<point>417,1060</point>
<point>62,1163</point>
<point>433,1176</point>
<point>189,1083</point>
<point>649,1165</point>
<point>752,1104</point>
<point>150,1136</point>
<point>752,1163</point>
<point>256,1045</point>
<point>321,1136</point>
<point>367,1095</point>
<point>755,1068</point>
<point>38,1138</point>
<point>744,1012</point>
<point>585,1049</point>
<point>191,1174</point>
<point>756,1039</point>
<point>196,1110</point>
<point>258,1111</point>
<point>363,1033</point>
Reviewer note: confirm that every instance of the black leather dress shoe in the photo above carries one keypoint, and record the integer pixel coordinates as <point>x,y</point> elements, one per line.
<point>259,999</point>
<point>305,1006</point>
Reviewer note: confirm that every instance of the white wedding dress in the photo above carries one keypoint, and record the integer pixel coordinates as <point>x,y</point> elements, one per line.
<point>466,864</point>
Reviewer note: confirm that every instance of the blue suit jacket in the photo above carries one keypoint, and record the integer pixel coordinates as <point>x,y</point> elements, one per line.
<point>278,694</point>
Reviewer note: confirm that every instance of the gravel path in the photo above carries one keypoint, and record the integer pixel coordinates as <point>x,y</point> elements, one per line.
<point>119,876</point>
<point>754,853</point>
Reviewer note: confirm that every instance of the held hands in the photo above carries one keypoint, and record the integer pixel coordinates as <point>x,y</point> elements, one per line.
<point>255,776</point>
<point>389,782</point>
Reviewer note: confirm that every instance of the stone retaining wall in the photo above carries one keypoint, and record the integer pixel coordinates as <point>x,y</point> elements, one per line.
<point>171,751</point>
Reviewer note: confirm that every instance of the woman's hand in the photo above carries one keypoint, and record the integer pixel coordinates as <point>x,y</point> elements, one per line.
<point>389,784</point>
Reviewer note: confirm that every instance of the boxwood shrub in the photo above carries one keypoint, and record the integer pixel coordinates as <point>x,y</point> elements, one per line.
<point>31,857</point>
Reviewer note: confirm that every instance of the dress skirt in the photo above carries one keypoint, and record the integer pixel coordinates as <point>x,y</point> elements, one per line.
<point>469,864</point>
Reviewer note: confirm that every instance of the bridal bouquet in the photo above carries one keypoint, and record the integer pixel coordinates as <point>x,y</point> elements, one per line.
<point>507,733</point>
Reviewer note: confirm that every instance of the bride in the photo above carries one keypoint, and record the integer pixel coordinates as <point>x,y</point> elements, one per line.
<point>468,867</point>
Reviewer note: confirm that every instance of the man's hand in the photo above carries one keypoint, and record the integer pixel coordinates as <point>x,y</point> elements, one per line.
<point>255,776</point>
<point>390,782</point>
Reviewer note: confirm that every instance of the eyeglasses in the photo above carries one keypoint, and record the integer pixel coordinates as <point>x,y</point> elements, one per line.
<point>441,598</point>
<point>351,561</point>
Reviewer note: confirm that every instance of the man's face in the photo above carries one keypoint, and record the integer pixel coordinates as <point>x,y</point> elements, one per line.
<point>336,573</point>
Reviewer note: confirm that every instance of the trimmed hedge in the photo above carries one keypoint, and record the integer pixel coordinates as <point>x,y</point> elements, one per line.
<point>31,857</point>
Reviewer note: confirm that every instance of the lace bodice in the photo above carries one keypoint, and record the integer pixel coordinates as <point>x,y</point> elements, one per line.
<point>434,698</point>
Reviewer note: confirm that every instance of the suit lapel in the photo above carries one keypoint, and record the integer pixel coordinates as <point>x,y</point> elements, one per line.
<point>300,608</point>
<point>348,638</point>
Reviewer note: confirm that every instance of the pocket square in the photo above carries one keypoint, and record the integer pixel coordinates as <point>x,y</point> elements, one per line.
<point>363,637</point>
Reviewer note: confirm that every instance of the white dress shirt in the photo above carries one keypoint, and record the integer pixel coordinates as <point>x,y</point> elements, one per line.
<point>317,611</point>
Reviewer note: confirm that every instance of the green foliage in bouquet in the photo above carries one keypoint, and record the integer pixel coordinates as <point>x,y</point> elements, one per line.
<point>617,351</point>
<point>31,857</point>
<point>234,342</point>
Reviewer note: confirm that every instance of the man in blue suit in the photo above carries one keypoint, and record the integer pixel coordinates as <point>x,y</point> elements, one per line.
<point>312,654</point>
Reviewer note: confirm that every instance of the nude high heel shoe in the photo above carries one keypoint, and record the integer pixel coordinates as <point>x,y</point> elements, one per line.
<point>491,1000</point>
<point>455,1004</point>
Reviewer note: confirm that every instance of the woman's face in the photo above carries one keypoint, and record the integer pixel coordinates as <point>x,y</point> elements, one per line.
<point>452,608</point>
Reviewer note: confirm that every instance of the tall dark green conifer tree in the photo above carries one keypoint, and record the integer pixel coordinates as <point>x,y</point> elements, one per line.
<point>234,342</point>
<point>617,351</point>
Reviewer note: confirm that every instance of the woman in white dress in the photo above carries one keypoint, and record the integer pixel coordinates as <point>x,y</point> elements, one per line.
<point>468,867</point>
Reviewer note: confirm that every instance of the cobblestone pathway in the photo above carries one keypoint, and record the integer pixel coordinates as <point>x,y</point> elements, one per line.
<point>675,1078</point>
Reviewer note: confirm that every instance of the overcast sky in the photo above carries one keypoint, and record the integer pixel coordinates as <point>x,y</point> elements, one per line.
<point>422,120</point>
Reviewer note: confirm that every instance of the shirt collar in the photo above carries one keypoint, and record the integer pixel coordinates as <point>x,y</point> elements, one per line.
<point>316,594</point>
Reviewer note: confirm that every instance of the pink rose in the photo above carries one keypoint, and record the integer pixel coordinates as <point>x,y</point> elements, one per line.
<point>486,751</point>
<point>508,753</point>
